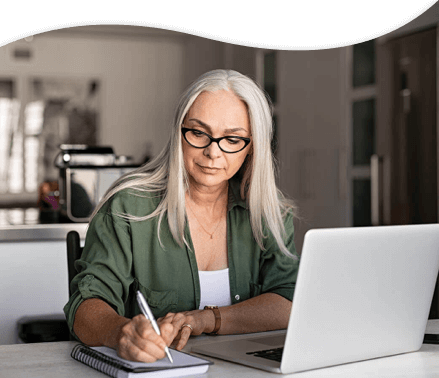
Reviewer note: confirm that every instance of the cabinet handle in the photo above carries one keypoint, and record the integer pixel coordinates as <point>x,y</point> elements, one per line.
<point>342,174</point>
<point>376,189</point>
<point>406,100</point>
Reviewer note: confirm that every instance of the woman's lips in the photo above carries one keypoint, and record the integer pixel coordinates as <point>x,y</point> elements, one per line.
<point>208,169</point>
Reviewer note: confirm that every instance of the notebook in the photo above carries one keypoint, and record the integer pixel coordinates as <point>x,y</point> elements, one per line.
<point>108,362</point>
<point>361,293</point>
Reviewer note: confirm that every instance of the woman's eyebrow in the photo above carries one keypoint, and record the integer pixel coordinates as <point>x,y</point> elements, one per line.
<point>205,125</point>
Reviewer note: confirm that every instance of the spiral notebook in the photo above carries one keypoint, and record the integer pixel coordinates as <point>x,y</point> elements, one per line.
<point>108,362</point>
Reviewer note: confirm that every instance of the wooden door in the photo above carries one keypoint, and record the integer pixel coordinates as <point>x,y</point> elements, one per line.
<point>406,131</point>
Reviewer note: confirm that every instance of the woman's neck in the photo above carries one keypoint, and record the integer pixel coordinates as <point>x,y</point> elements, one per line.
<point>210,199</point>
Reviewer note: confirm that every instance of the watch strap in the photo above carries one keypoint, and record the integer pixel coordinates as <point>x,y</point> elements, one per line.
<point>217,314</point>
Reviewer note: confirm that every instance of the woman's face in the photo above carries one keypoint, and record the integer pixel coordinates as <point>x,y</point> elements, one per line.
<point>220,113</point>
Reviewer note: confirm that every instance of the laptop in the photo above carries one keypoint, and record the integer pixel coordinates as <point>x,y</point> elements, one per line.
<point>361,293</point>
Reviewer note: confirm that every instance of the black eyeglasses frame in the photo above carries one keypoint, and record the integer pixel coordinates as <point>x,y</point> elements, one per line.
<point>247,141</point>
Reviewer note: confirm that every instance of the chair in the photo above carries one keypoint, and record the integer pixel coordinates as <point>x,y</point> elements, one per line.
<point>34,329</point>
<point>74,251</point>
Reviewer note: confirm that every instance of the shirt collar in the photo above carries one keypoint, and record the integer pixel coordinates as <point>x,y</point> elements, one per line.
<point>235,194</point>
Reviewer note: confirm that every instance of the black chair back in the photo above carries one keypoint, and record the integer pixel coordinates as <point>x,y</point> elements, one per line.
<point>74,251</point>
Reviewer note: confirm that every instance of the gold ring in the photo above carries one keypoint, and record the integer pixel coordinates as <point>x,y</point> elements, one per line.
<point>187,325</point>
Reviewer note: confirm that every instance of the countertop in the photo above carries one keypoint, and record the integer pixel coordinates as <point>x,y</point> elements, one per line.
<point>26,225</point>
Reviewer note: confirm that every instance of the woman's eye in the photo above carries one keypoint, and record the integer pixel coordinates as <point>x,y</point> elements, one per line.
<point>197,133</point>
<point>233,140</point>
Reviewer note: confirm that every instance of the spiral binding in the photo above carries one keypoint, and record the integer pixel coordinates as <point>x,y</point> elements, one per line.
<point>98,361</point>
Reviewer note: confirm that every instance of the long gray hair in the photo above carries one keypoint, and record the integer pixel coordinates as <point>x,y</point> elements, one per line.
<point>166,173</point>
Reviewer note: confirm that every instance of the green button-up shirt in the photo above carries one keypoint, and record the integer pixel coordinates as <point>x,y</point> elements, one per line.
<point>122,256</point>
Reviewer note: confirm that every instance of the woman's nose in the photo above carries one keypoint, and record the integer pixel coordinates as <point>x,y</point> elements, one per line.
<point>213,150</point>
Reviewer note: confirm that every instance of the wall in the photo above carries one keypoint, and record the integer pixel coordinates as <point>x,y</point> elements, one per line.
<point>201,55</point>
<point>241,59</point>
<point>310,133</point>
<point>141,77</point>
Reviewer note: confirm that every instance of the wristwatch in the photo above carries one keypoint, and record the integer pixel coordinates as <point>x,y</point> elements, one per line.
<point>217,314</point>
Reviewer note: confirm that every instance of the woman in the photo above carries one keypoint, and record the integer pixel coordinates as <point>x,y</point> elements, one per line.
<point>202,224</point>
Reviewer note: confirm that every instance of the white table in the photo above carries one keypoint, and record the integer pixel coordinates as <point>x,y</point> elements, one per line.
<point>53,360</point>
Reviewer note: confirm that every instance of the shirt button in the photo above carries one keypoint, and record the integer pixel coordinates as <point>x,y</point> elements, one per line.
<point>237,297</point>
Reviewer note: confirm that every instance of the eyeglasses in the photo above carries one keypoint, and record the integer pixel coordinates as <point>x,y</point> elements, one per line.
<point>227,144</point>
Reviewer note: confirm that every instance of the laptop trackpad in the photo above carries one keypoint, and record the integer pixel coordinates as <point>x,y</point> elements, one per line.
<point>270,340</point>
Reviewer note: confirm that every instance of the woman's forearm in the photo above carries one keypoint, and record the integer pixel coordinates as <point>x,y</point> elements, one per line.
<point>96,323</point>
<point>265,312</point>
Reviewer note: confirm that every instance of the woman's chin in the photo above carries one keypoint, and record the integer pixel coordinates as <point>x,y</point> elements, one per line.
<point>210,180</point>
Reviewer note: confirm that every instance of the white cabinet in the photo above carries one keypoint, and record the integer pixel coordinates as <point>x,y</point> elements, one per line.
<point>33,273</point>
<point>33,281</point>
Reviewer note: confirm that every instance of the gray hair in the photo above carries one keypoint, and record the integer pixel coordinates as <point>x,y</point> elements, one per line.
<point>166,174</point>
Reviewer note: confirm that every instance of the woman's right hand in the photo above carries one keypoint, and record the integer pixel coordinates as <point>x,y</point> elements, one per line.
<point>97,323</point>
<point>137,340</point>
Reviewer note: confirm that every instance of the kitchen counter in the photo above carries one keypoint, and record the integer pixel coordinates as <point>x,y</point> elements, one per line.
<point>41,232</point>
<point>25,225</point>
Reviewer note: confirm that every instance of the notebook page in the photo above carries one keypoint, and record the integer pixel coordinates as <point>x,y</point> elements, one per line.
<point>180,360</point>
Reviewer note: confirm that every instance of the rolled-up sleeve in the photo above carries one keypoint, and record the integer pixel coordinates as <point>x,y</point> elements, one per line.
<point>278,272</point>
<point>104,269</point>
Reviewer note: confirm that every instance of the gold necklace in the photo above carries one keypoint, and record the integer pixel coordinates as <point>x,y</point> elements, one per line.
<point>207,232</point>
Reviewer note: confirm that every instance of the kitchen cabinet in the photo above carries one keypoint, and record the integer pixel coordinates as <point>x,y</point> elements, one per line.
<point>33,273</point>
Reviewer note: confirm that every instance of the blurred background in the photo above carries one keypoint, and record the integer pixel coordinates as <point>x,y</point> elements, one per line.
<point>355,127</point>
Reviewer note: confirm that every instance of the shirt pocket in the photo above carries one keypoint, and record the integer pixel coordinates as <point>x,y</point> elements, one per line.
<point>160,302</point>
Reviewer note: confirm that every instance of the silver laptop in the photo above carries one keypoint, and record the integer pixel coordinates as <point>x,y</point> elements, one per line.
<point>361,293</point>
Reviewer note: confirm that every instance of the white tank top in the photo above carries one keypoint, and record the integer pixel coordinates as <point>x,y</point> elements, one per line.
<point>215,288</point>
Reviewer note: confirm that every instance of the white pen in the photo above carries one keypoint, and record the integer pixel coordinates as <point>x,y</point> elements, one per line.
<point>143,304</point>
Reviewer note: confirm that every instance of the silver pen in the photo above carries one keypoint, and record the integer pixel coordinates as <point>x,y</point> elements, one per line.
<point>143,304</point>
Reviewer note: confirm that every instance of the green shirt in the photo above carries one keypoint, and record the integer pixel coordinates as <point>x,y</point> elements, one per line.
<point>122,256</point>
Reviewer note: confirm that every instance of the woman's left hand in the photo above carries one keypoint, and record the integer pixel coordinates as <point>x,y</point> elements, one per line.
<point>186,324</point>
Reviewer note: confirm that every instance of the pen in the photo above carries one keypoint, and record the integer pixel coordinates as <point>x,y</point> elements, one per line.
<point>143,304</point>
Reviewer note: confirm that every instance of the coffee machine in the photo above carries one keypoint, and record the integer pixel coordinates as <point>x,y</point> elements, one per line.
<point>85,175</point>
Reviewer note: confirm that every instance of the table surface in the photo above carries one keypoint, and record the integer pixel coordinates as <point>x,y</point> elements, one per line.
<point>53,360</point>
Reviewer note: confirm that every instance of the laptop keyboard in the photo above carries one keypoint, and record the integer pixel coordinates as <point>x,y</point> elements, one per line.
<point>270,354</point>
